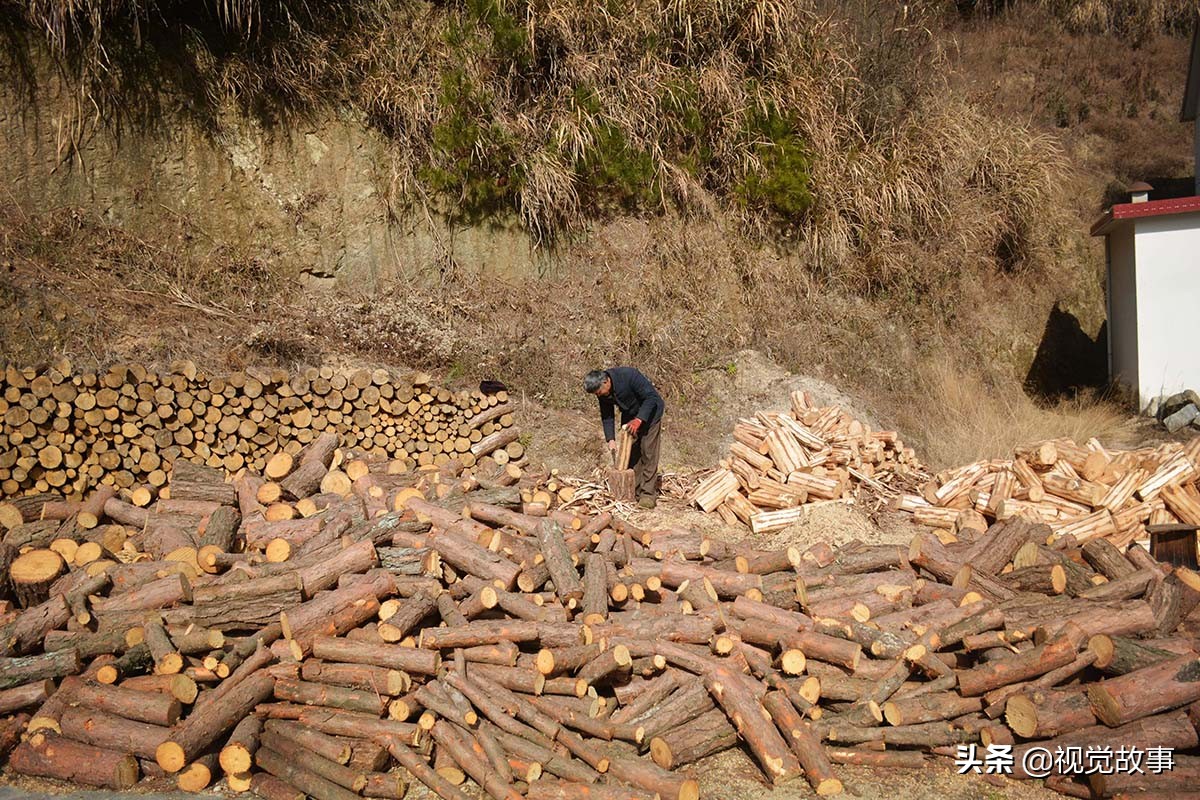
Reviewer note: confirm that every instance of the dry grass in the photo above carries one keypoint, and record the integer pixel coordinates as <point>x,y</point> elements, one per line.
<point>819,126</point>
<point>1136,20</point>
<point>955,417</point>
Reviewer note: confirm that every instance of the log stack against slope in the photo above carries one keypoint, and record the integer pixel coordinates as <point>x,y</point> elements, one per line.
<point>66,432</point>
<point>779,463</point>
<point>429,624</point>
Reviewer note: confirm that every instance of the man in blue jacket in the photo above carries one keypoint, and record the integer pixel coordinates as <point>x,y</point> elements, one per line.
<point>641,411</point>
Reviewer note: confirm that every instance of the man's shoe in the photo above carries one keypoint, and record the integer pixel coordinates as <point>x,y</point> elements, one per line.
<point>647,502</point>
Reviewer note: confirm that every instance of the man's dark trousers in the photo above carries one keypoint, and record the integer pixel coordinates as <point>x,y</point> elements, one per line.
<point>644,456</point>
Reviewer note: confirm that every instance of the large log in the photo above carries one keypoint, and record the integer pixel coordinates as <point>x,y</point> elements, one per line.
<point>412,660</point>
<point>49,756</point>
<point>30,627</point>
<point>747,714</point>
<point>18,671</point>
<point>151,708</point>
<point>1151,690</point>
<point>709,733</point>
<point>1023,666</point>
<point>112,732</point>
<point>803,742</point>
<point>209,722</point>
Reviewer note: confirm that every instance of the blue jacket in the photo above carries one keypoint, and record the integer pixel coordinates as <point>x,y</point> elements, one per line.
<point>633,393</point>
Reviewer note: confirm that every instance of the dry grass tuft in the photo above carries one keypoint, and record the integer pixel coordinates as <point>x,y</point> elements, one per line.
<point>955,417</point>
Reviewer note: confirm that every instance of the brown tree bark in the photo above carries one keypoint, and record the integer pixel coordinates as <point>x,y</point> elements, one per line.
<point>321,694</point>
<point>804,743</point>
<point>1043,714</point>
<point>709,733</point>
<point>50,756</point>
<point>1055,653</point>
<point>413,660</point>
<point>1150,690</point>
<point>747,714</point>
<point>112,732</point>
<point>209,722</point>
<point>289,770</point>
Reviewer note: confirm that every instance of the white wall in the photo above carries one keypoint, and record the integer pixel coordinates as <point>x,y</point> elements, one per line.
<point>1196,151</point>
<point>1122,308</point>
<point>1168,304</point>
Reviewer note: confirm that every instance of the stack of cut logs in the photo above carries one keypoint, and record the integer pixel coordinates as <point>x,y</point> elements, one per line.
<point>1086,492</point>
<point>546,655</point>
<point>67,432</point>
<point>780,463</point>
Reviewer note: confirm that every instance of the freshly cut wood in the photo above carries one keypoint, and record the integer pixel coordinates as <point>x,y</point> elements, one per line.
<point>1043,714</point>
<point>411,660</point>
<point>208,722</point>
<point>320,694</point>
<point>31,575</point>
<point>1120,655</point>
<point>30,627</point>
<point>339,774</point>
<point>19,671</point>
<point>747,714</point>
<point>381,680</point>
<point>268,787</point>
<point>152,708</point>
<point>328,747</point>
<point>294,774</point>
<point>1055,653</point>
<point>930,708</point>
<point>30,694</point>
<point>112,732</point>
<point>1150,690</point>
<point>49,756</point>
<point>709,733</point>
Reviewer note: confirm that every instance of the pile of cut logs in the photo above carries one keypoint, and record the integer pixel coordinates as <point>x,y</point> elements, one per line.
<point>66,432</point>
<point>429,625</point>
<point>1086,492</point>
<point>780,463</point>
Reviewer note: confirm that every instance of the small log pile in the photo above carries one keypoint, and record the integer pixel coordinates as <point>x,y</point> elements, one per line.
<point>1085,492</point>
<point>780,463</point>
<point>66,431</point>
<point>430,625</point>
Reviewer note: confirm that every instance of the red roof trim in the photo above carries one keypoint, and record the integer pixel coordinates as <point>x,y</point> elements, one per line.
<point>1151,208</point>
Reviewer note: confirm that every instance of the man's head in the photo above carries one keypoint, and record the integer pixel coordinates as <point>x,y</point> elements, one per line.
<point>598,383</point>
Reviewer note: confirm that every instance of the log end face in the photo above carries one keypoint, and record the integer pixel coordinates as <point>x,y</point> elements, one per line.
<point>1021,715</point>
<point>828,786</point>
<point>170,757</point>
<point>660,752</point>
<point>793,662</point>
<point>1105,705</point>
<point>235,759</point>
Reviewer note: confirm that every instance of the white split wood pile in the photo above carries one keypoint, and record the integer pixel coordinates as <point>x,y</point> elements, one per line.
<point>779,463</point>
<point>1086,492</point>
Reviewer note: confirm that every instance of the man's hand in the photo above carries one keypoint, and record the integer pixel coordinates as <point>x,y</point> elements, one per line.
<point>612,445</point>
<point>633,426</point>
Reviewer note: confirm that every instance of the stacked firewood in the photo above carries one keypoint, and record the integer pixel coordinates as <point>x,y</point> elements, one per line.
<point>780,463</point>
<point>1086,492</point>
<point>66,432</point>
<point>431,620</point>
